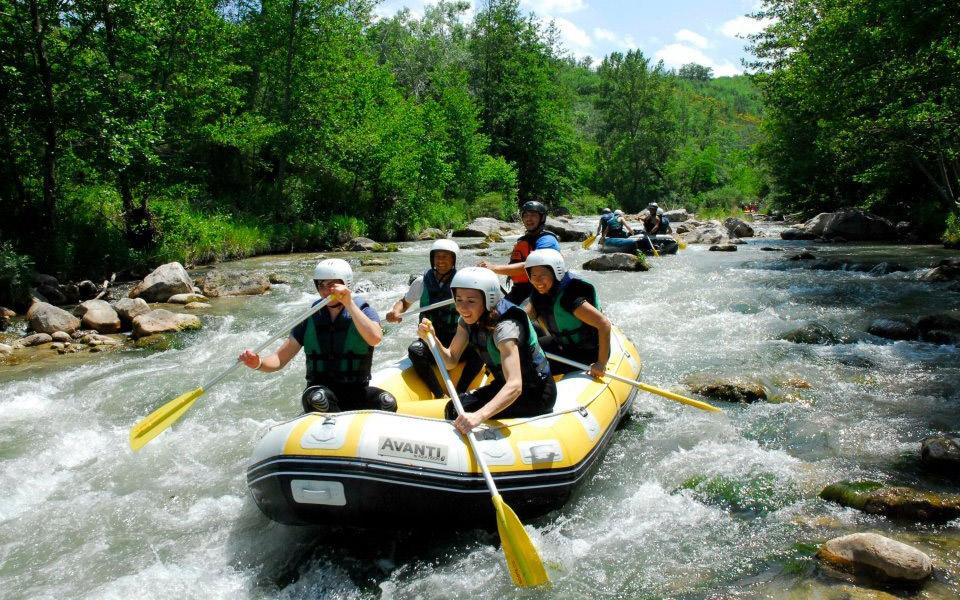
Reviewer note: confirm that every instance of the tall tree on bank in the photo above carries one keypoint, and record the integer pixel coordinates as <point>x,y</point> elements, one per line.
<point>523,106</point>
<point>637,131</point>
<point>863,104</point>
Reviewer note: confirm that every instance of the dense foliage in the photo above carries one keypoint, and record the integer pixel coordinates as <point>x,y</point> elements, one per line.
<point>197,130</point>
<point>863,105</point>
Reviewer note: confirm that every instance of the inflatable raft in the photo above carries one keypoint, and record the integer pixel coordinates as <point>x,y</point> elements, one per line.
<point>665,244</point>
<point>413,469</point>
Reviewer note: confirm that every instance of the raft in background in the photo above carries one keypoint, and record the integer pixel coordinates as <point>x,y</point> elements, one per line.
<point>665,244</point>
<point>413,469</point>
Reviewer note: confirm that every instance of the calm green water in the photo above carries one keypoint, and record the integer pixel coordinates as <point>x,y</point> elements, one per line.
<point>83,517</point>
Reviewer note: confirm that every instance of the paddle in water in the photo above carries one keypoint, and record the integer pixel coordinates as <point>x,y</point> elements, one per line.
<point>642,386</point>
<point>165,416</point>
<point>523,561</point>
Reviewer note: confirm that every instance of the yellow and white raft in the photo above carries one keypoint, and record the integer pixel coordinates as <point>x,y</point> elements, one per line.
<point>412,468</point>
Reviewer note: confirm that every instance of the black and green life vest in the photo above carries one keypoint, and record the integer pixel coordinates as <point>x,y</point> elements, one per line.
<point>444,319</point>
<point>336,352</point>
<point>569,332</point>
<point>615,228</point>
<point>535,370</point>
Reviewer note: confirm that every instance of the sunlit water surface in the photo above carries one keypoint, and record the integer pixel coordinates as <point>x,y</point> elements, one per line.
<point>686,504</point>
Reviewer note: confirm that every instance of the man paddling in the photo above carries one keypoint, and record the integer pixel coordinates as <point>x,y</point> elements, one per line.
<point>432,287</point>
<point>533,214</point>
<point>617,226</point>
<point>338,342</point>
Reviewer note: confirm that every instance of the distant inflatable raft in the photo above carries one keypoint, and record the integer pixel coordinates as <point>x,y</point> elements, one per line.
<point>665,244</point>
<point>412,468</point>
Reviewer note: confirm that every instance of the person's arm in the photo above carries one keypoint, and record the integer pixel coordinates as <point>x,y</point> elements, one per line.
<point>399,306</point>
<point>511,270</point>
<point>627,226</point>
<point>275,361</point>
<point>369,330</point>
<point>508,394</point>
<point>589,314</point>
<point>450,355</point>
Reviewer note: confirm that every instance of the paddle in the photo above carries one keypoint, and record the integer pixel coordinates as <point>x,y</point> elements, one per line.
<point>524,563</point>
<point>589,241</point>
<point>652,247</point>
<point>165,416</point>
<point>642,386</point>
<point>420,309</point>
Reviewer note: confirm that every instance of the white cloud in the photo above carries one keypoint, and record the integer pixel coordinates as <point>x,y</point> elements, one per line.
<point>626,42</point>
<point>574,39</point>
<point>549,7</point>
<point>743,26</point>
<point>677,55</point>
<point>690,37</point>
<point>604,34</point>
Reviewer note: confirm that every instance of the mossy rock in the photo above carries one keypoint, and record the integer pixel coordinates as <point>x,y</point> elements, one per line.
<point>761,493</point>
<point>726,389</point>
<point>391,247</point>
<point>157,342</point>
<point>811,333</point>
<point>492,237</point>
<point>896,502</point>
<point>850,493</point>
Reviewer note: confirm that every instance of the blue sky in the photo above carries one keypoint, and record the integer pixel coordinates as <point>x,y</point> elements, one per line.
<point>676,31</point>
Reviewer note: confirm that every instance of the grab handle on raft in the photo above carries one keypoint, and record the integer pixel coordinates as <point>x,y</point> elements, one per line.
<point>642,386</point>
<point>523,561</point>
<point>165,416</point>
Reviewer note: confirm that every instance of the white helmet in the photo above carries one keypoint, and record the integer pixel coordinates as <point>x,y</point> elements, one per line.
<point>478,278</point>
<point>334,268</point>
<point>618,212</point>
<point>447,246</point>
<point>547,257</point>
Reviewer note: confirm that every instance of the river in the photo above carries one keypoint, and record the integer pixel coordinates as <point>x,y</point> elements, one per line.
<point>686,504</point>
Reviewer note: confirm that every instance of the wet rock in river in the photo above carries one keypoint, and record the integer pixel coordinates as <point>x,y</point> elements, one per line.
<point>805,255</point>
<point>62,336</point>
<point>275,278</point>
<point>617,261</point>
<point>431,233</point>
<point>723,248</point>
<point>156,341</point>
<point>5,350</point>
<point>217,283</point>
<point>876,556</point>
<point>899,502</point>
<point>726,389</point>
<point>36,339</point>
<point>165,281</point>
<point>99,316</point>
<point>197,306</point>
<point>894,329</point>
<point>46,318</point>
<point>374,262</point>
<point>811,333</point>
<point>130,308</point>
<point>678,215</point>
<point>565,231</point>
<point>940,328</point>
<point>52,294</point>
<point>483,226</point>
<point>738,228</point>
<point>942,452</point>
<point>186,298</point>
<point>161,321</point>
<point>947,269</point>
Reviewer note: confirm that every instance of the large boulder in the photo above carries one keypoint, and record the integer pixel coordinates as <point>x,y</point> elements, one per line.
<point>187,298</point>
<point>617,261</point>
<point>942,452</point>
<point>738,228</point>
<point>711,233</point>
<point>723,248</point>
<point>896,502</point>
<point>688,226</point>
<point>947,269</point>
<point>678,215</point>
<point>876,556</point>
<point>811,333</point>
<point>46,318</point>
<point>35,339</point>
<point>52,294</point>
<point>130,308</point>
<point>431,233</point>
<point>796,233</point>
<point>162,321</point>
<point>363,244</point>
<point>87,290</point>
<point>565,231</point>
<point>99,316</point>
<point>217,283</point>
<point>726,389</point>
<point>940,328</point>
<point>484,226</point>
<point>165,281</point>
<point>852,225</point>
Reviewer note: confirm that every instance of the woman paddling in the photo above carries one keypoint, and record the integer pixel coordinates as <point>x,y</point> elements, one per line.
<point>338,342</point>
<point>503,335</point>
<point>569,309</point>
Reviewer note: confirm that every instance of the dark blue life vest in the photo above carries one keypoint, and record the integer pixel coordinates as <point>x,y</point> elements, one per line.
<point>535,371</point>
<point>444,319</point>
<point>335,350</point>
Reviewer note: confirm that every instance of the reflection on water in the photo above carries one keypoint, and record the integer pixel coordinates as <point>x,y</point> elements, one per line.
<point>685,505</point>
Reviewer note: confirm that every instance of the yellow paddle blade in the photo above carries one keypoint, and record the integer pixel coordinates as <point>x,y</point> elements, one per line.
<point>524,563</point>
<point>588,242</point>
<point>678,398</point>
<point>162,418</point>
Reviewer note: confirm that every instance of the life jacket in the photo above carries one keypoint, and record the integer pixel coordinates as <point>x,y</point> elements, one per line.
<point>444,319</point>
<point>522,249</point>
<point>568,331</point>
<point>335,350</point>
<point>535,371</point>
<point>615,228</point>
<point>649,223</point>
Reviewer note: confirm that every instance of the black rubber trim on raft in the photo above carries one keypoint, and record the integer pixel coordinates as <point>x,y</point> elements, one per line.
<point>426,477</point>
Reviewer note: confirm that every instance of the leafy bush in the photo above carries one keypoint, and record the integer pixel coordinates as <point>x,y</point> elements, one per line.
<point>494,205</point>
<point>15,271</point>
<point>498,175</point>
<point>587,204</point>
<point>951,236</point>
